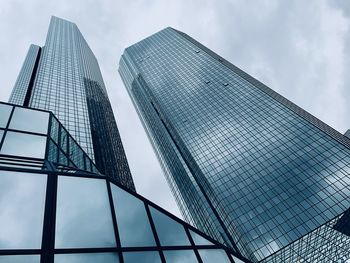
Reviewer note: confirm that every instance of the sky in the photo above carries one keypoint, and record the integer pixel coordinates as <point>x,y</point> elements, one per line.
<point>301,49</point>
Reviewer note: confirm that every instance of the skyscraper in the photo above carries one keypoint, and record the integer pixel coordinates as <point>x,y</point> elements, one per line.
<point>63,76</point>
<point>246,165</point>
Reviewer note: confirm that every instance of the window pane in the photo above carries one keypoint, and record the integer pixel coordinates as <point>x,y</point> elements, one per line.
<point>5,111</point>
<point>170,232</point>
<point>83,214</point>
<point>25,145</point>
<point>54,129</point>
<point>180,256</point>
<point>133,224</point>
<point>87,258</point>
<point>144,257</point>
<point>52,154</point>
<point>199,240</point>
<point>213,255</point>
<point>29,120</point>
<point>20,259</point>
<point>1,134</point>
<point>22,200</point>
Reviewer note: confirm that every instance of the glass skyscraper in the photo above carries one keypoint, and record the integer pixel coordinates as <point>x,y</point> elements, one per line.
<point>64,77</point>
<point>246,165</point>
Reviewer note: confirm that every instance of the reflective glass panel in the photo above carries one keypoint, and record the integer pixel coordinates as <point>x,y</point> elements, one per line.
<point>170,232</point>
<point>52,155</point>
<point>22,201</point>
<point>1,133</point>
<point>213,255</point>
<point>54,129</point>
<point>5,111</point>
<point>180,256</point>
<point>144,257</point>
<point>29,120</point>
<point>83,213</point>
<point>25,145</point>
<point>64,140</point>
<point>132,219</point>
<point>199,240</point>
<point>20,259</point>
<point>87,258</point>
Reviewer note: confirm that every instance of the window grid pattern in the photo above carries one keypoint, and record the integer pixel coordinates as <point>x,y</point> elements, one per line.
<point>58,146</point>
<point>69,83</point>
<point>324,244</point>
<point>59,85</point>
<point>173,163</point>
<point>272,174</point>
<point>19,91</point>
<point>66,194</point>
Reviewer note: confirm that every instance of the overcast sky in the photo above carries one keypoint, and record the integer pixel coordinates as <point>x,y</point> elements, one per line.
<point>301,49</point>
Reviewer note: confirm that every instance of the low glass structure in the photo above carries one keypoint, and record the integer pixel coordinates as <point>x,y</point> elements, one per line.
<point>56,207</point>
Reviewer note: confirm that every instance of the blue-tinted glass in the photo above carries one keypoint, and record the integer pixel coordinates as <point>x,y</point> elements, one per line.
<point>22,201</point>
<point>68,82</point>
<point>134,227</point>
<point>199,240</point>
<point>53,153</point>
<point>1,133</point>
<point>83,214</point>
<point>144,257</point>
<point>180,256</point>
<point>87,258</point>
<point>270,171</point>
<point>29,120</point>
<point>213,255</point>
<point>19,91</point>
<point>5,111</point>
<point>170,232</point>
<point>25,145</point>
<point>54,129</point>
<point>20,259</point>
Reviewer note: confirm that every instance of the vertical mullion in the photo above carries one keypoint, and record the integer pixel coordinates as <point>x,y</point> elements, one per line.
<point>114,219</point>
<point>48,136</point>
<point>193,245</point>
<point>7,126</point>
<point>154,231</point>
<point>48,240</point>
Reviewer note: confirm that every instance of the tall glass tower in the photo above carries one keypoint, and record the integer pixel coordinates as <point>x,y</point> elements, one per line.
<point>64,77</point>
<point>246,165</point>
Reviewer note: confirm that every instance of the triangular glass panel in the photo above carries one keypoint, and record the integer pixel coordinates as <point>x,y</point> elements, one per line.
<point>177,256</point>
<point>199,240</point>
<point>170,232</point>
<point>133,224</point>
<point>213,255</point>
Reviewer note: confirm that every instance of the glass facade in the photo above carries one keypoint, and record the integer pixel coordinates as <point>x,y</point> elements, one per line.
<point>247,166</point>
<point>51,213</point>
<point>24,83</point>
<point>64,77</point>
<point>38,135</point>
